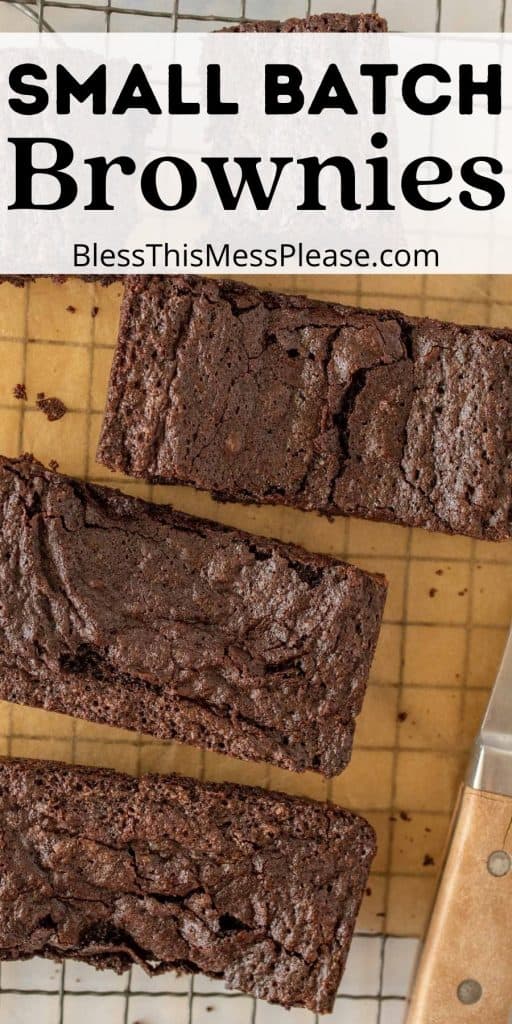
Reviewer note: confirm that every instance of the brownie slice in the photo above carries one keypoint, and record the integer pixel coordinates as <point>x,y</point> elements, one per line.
<point>274,398</point>
<point>20,280</point>
<point>317,23</point>
<point>119,611</point>
<point>258,889</point>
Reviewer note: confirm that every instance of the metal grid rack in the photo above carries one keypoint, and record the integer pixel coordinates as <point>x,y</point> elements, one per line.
<point>179,15</point>
<point>375,986</point>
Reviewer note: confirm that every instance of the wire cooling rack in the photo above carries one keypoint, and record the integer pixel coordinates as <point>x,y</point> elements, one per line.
<point>376,982</point>
<point>201,15</point>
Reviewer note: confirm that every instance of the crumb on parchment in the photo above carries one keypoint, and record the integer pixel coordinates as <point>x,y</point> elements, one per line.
<point>53,408</point>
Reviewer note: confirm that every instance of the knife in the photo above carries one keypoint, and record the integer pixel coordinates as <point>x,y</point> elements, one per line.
<point>464,974</point>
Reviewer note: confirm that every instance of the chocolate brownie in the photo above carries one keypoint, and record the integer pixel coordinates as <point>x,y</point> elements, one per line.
<point>275,398</point>
<point>317,23</point>
<point>119,611</point>
<point>258,889</point>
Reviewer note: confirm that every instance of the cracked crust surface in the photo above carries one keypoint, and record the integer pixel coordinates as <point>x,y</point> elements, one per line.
<point>123,612</point>
<point>257,888</point>
<point>275,398</point>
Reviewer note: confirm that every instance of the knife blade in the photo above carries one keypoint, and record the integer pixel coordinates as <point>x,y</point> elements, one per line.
<point>490,767</point>
<point>464,974</point>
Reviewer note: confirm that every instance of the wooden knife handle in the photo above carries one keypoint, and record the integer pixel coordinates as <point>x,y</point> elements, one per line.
<point>468,948</point>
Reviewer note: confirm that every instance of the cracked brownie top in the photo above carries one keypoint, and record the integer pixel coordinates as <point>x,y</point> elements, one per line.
<point>119,611</point>
<point>259,889</point>
<point>276,398</point>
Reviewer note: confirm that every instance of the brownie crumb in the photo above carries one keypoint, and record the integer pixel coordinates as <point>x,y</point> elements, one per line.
<point>432,592</point>
<point>19,391</point>
<point>94,311</point>
<point>70,309</point>
<point>439,572</point>
<point>53,408</point>
<point>368,890</point>
<point>427,829</point>
<point>380,913</point>
<point>404,816</point>
<point>402,716</point>
<point>428,861</point>
<point>462,593</point>
<point>54,465</point>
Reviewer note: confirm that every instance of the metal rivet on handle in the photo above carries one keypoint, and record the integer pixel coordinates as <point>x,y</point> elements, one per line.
<point>469,991</point>
<point>499,863</point>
